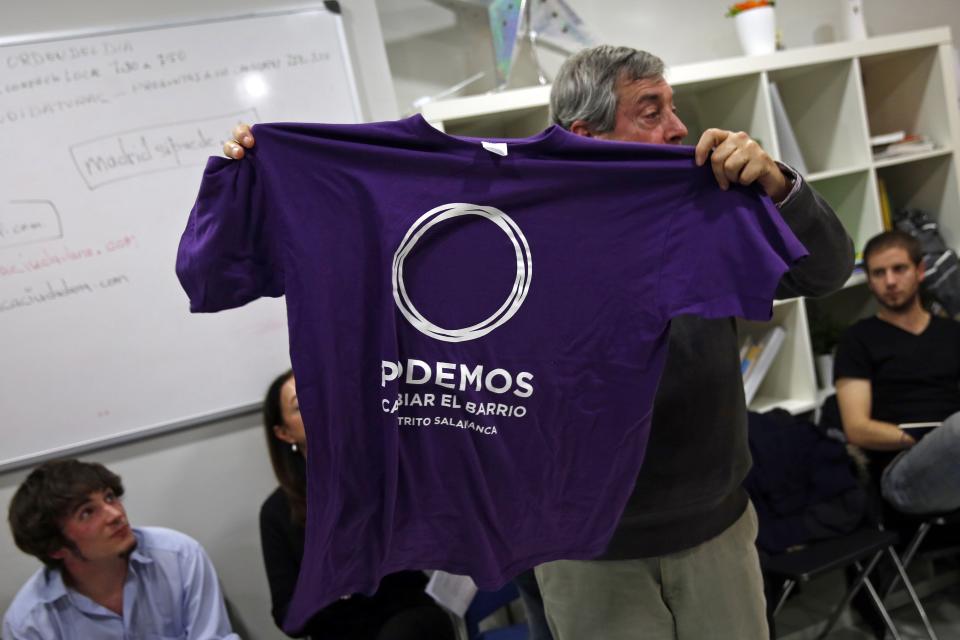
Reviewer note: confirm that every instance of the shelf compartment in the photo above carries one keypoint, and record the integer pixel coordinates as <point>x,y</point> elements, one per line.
<point>735,104</point>
<point>929,184</point>
<point>824,104</point>
<point>854,197</point>
<point>905,91</point>
<point>790,383</point>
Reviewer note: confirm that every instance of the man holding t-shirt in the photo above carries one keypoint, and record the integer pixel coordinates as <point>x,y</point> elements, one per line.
<point>681,562</point>
<point>903,366</point>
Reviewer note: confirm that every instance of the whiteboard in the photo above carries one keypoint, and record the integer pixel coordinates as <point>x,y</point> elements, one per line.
<point>104,139</point>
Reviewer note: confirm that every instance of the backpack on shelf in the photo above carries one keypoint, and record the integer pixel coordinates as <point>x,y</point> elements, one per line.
<point>941,284</point>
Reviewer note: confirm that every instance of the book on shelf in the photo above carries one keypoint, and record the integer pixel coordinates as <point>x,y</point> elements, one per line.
<point>744,350</point>
<point>883,139</point>
<point>766,350</point>
<point>913,143</point>
<point>885,209</point>
<point>748,353</point>
<point>789,148</point>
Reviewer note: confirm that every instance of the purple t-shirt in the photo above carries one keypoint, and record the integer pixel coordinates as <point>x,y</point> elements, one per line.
<point>476,332</point>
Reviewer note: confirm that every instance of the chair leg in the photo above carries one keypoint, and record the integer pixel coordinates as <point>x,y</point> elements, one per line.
<point>908,554</point>
<point>851,592</point>
<point>878,603</point>
<point>788,586</point>
<point>913,594</point>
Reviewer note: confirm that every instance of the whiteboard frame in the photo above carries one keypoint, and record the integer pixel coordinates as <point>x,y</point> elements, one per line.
<point>126,437</point>
<point>142,433</point>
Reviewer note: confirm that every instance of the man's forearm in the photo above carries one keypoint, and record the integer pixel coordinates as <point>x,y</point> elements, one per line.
<point>878,436</point>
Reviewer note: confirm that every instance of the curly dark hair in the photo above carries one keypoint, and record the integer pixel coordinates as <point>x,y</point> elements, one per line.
<point>50,493</point>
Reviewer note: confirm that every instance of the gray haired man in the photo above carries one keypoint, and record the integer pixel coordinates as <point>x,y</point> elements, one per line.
<point>682,562</point>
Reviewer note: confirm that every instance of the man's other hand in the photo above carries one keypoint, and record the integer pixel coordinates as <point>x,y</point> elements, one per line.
<point>738,159</point>
<point>242,138</point>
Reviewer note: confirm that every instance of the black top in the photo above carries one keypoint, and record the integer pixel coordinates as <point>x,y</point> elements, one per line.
<point>913,378</point>
<point>357,618</point>
<point>690,485</point>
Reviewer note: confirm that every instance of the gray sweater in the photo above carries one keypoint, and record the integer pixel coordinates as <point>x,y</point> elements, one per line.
<point>690,485</point>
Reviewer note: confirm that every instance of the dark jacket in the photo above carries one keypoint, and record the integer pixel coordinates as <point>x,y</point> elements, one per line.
<point>803,483</point>
<point>690,487</point>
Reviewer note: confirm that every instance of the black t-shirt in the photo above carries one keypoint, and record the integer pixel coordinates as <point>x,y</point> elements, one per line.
<point>913,378</point>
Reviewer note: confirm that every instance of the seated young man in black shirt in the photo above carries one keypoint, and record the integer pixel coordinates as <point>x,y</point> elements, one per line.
<point>903,366</point>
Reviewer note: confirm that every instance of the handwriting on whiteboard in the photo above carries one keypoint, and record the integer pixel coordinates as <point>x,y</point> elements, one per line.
<point>56,290</point>
<point>28,221</point>
<point>128,154</point>
<point>62,256</point>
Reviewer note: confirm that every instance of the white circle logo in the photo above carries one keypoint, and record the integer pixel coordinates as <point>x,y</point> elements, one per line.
<point>521,283</point>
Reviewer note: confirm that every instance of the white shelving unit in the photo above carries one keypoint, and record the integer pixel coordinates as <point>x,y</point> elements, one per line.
<point>836,96</point>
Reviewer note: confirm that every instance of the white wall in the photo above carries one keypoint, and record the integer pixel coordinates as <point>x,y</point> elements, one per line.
<point>209,481</point>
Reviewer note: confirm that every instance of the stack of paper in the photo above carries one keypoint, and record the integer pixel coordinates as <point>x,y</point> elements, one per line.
<point>899,143</point>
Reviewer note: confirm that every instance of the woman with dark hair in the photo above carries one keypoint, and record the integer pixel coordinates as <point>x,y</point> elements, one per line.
<point>399,610</point>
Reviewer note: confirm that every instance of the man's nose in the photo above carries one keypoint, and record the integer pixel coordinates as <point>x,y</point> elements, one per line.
<point>113,511</point>
<point>676,131</point>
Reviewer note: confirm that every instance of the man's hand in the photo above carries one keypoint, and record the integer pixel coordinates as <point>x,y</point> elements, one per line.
<point>738,159</point>
<point>242,138</point>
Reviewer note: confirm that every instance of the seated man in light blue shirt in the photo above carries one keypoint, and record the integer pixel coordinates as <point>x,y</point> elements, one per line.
<point>104,579</point>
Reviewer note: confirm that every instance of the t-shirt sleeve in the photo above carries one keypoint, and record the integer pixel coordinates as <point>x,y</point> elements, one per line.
<point>853,357</point>
<point>228,255</point>
<point>723,255</point>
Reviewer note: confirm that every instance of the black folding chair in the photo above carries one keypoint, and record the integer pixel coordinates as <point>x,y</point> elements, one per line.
<point>927,524</point>
<point>792,461</point>
<point>861,549</point>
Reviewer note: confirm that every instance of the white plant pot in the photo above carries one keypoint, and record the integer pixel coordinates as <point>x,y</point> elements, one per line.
<point>757,31</point>
<point>854,26</point>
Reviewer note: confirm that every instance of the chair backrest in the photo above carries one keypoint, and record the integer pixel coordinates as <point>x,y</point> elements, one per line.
<point>484,604</point>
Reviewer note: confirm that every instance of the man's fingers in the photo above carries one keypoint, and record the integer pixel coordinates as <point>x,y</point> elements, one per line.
<point>718,163</point>
<point>242,137</point>
<point>710,139</point>
<point>232,150</point>
<point>733,166</point>
<point>751,172</point>
<point>241,133</point>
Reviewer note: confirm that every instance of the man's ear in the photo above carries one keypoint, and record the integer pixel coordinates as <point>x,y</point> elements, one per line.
<point>283,433</point>
<point>921,270</point>
<point>581,128</point>
<point>59,554</point>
